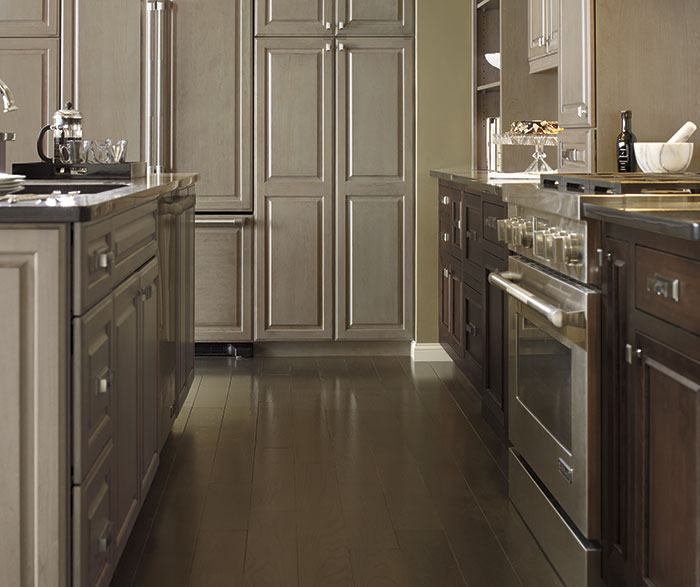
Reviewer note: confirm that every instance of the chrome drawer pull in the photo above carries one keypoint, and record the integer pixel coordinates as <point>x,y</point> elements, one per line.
<point>104,381</point>
<point>472,330</point>
<point>105,539</point>
<point>220,222</point>
<point>556,316</point>
<point>665,287</point>
<point>445,237</point>
<point>104,259</point>
<point>445,200</point>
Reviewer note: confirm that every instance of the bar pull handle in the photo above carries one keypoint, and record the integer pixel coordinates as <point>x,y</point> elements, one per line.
<point>228,222</point>
<point>554,315</point>
<point>665,287</point>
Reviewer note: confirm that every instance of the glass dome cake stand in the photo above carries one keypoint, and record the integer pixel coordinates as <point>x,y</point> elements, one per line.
<point>539,141</point>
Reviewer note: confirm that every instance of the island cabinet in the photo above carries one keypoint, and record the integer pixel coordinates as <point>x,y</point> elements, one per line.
<point>472,315</point>
<point>651,409</point>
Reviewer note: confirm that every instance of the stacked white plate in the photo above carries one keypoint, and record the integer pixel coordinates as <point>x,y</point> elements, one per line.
<point>10,183</point>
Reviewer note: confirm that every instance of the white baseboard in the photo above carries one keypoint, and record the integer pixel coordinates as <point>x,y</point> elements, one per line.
<point>423,352</point>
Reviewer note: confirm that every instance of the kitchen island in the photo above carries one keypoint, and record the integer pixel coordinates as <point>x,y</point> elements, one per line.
<point>85,398</point>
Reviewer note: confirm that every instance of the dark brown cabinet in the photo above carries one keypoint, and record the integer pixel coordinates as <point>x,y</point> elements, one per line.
<point>651,410</point>
<point>472,311</point>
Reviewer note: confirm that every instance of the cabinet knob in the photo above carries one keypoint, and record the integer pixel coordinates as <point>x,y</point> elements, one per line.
<point>328,47</point>
<point>341,25</point>
<point>104,381</point>
<point>105,539</point>
<point>445,237</point>
<point>446,273</point>
<point>582,111</point>
<point>104,259</point>
<point>472,330</point>
<point>445,200</point>
<point>328,25</point>
<point>341,47</point>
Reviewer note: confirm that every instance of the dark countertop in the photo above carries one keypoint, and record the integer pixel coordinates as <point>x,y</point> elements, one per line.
<point>87,207</point>
<point>676,219</point>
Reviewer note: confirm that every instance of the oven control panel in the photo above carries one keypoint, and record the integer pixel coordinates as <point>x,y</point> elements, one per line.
<point>557,242</point>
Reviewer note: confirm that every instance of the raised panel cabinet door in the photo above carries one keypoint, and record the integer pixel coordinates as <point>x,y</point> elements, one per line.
<point>223,279</point>
<point>552,13</point>
<point>148,376</point>
<point>300,18</point>
<point>30,67</point>
<point>29,18</point>
<point>666,386</point>
<point>294,176</point>
<point>35,434</point>
<point>576,64</point>
<point>108,86</point>
<point>363,18</point>
<point>93,386</point>
<point>126,411</point>
<point>537,35</point>
<point>212,114</point>
<point>374,194</point>
<point>472,313</point>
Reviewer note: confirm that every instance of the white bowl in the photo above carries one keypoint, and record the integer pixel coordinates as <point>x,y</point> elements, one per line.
<point>663,157</point>
<point>494,59</point>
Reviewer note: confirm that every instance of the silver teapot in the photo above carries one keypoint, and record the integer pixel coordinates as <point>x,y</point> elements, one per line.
<point>67,130</point>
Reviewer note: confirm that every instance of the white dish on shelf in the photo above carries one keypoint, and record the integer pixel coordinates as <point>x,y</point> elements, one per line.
<point>494,59</point>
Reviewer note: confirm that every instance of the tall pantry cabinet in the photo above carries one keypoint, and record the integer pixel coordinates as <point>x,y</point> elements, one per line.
<point>334,111</point>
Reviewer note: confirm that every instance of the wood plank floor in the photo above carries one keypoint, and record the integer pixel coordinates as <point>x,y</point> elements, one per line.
<point>338,471</point>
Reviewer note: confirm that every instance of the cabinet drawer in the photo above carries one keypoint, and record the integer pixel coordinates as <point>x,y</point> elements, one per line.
<point>93,366</point>
<point>577,151</point>
<point>448,199</point>
<point>108,251</point>
<point>223,279</point>
<point>492,214</point>
<point>667,286</point>
<point>93,525</point>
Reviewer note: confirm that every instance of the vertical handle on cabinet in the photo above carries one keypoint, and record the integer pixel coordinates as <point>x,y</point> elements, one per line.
<point>341,47</point>
<point>105,539</point>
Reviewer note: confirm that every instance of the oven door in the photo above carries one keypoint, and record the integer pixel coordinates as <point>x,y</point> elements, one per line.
<point>553,384</point>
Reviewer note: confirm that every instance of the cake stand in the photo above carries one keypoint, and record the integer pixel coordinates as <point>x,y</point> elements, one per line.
<point>539,141</point>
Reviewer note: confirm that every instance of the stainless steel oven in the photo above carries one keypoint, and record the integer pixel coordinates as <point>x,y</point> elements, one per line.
<point>554,411</point>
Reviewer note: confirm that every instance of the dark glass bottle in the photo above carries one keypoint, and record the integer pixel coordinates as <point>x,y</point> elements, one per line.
<point>626,161</point>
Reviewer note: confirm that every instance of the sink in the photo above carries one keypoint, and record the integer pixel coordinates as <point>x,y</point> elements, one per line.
<point>73,189</point>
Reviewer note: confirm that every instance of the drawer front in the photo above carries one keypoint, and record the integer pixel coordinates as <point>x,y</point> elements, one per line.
<point>93,526</point>
<point>577,151</point>
<point>492,214</point>
<point>93,365</point>
<point>134,240</point>
<point>92,263</point>
<point>223,279</point>
<point>448,198</point>
<point>668,287</point>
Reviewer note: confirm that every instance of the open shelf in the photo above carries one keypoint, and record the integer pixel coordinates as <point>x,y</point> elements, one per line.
<point>489,87</point>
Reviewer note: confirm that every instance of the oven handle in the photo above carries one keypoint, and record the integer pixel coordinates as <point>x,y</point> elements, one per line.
<point>556,316</point>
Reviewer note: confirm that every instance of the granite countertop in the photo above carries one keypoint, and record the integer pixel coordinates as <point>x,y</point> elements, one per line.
<point>87,207</point>
<point>663,215</point>
<point>481,179</point>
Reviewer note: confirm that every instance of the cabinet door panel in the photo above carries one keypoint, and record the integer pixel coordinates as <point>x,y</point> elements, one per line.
<point>372,289</point>
<point>375,18</point>
<point>126,386</point>
<point>213,104</point>
<point>294,206</point>
<point>375,189</point>
<point>108,84</point>
<point>223,280</point>
<point>576,66</point>
<point>29,18</point>
<point>148,368</point>
<point>473,334</point>
<point>302,18</point>
<point>30,68</point>
<point>93,386</point>
<point>93,524</point>
<point>668,424</point>
<point>294,298</point>
<point>536,28</point>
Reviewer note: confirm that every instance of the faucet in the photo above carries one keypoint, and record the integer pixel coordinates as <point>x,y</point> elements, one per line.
<point>8,100</point>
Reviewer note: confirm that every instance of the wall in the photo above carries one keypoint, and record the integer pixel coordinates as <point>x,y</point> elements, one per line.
<point>443,117</point>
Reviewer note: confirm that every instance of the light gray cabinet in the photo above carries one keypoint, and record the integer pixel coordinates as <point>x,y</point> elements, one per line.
<point>304,18</point>
<point>108,70</point>
<point>576,65</point>
<point>29,18</point>
<point>543,34</point>
<point>31,68</point>
<point>223,278</point>
<point>213,104</point>
<point>294,189</point>
<point>374,198</point>
<point>185,303</point>
<point>375,17</point>
<point>308,18</point>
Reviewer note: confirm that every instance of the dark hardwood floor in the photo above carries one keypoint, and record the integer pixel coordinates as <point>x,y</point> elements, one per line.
<point>338,471</point>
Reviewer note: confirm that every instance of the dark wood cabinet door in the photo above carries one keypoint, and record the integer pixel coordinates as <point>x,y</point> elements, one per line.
<point>616,413</point>
<point>666,385</point>
<point>472,311</point>
<point>472,235</point>
<point>451,318</point>
<point>495,364</point>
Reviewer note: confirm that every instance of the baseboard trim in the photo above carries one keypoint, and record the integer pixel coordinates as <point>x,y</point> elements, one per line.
<point>424,352</point>
<point>336,348</point>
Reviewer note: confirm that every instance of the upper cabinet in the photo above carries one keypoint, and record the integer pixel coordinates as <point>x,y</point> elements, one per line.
<point>212,113</point>
<point>29,18</point>
<point>576,65</point>
<point>543,34</point>
<point>361,18</point>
